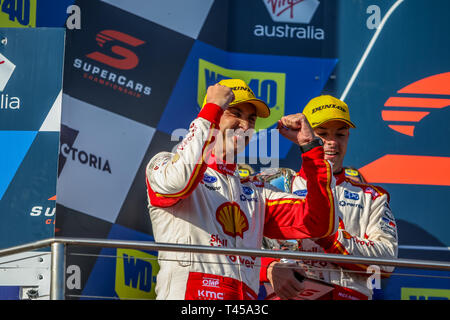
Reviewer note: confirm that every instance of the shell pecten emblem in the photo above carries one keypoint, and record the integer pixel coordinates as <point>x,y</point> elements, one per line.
<point>232,219</point>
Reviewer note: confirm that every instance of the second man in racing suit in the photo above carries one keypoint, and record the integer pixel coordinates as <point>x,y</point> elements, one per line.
<point>366,224</point>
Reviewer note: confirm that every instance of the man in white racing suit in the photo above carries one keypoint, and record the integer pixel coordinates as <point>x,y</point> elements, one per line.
<point>197,197</point>
<point>366,224</point>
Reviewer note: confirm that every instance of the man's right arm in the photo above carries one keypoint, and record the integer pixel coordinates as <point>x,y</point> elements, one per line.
<point>172,177</point>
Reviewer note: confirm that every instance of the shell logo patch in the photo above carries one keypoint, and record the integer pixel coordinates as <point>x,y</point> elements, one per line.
<point>232,219</point>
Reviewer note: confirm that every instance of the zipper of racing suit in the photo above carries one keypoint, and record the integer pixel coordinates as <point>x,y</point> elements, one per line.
<point>238,263</point>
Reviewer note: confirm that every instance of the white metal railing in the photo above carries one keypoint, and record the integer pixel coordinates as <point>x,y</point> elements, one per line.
<point>58,261</point>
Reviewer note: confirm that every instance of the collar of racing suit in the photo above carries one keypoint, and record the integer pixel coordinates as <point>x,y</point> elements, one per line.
<point>340,176</point>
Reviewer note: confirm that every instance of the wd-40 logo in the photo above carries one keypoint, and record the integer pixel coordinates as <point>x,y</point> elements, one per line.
<point>267,86</point>
<point>135,274</point>
<point>115,51</point>
<point>232,219</point>
<point>18,13</point>
<point>297,11</point>
<point>425,294</point>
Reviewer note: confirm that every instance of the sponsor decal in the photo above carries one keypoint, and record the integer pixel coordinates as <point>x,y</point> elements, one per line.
<point>388,214</point>
<point>292,12</point>
<point>245,261</point>
<point>107,65</point>
<point>210,282</point>
<point>248,191</point>
<point>301,193</point>
<point>362,242</point>
<point>216,241</point>
<point>249,199</point>
<point>389,222</point>
<point>351,172</point>
<point>209,295</point>
<point>135,274</point>
<point>232,219</point>
<point>212,188</point>
<point>209,179</point>
<point>18,13</point>
<point>351,195</point>
<point>296,11</point>
<point>328,106</point>
<point>267,86</point>
<point>343,203</point>
<point>372,192</point>
<point>424,294</point>
<point>244,173</point>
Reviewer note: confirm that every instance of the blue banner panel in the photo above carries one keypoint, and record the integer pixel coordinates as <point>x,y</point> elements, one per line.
<point>123,273</point>
<point>31,64</point>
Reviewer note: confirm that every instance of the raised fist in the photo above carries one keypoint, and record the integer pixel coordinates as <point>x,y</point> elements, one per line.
<point>220,95</point>
<point>296,128</point>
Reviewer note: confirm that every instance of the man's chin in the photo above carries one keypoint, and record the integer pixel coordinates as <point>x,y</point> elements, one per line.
<point>337,166</point>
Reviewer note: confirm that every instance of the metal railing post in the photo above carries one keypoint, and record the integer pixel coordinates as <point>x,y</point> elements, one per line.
<point>58,271</point>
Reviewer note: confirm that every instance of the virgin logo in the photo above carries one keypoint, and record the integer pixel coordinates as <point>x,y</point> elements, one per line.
<point>280,6</point>
<point>297,11</point>
<point>119,57</point>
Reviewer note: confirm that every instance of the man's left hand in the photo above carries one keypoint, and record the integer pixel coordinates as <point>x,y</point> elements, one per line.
<point>296,128</point>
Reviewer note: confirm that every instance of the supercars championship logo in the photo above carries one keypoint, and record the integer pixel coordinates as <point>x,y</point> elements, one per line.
<point>115,51</point>
<point>267,86</point>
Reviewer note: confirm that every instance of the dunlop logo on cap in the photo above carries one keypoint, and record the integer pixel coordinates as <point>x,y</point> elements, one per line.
<point>232,219</point>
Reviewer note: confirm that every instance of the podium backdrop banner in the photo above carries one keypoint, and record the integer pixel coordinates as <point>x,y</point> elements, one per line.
<point>31,65</point>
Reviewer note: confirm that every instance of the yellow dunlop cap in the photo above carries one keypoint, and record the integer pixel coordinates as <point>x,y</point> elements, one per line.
<point>243,93</point>
<point>326,108</point>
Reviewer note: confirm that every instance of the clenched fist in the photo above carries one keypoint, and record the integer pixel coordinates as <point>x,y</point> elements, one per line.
<point>219,95</point>
<point>296,128</point>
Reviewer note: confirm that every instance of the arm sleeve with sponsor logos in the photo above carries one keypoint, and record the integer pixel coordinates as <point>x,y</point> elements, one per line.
<point>379,240</point>
<point>172,177</point>
<point>290,217</point>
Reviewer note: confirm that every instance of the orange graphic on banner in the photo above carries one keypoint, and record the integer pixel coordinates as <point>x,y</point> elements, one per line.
<point>408,130</point>
<point>417,102</point>
<point>403,115</point>
<point>232,219</point>
<point>407,169</point>
<point>438,84</point>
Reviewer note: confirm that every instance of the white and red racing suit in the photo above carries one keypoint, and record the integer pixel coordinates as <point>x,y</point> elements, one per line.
<point>367,228</point>
<point>196,200</point>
